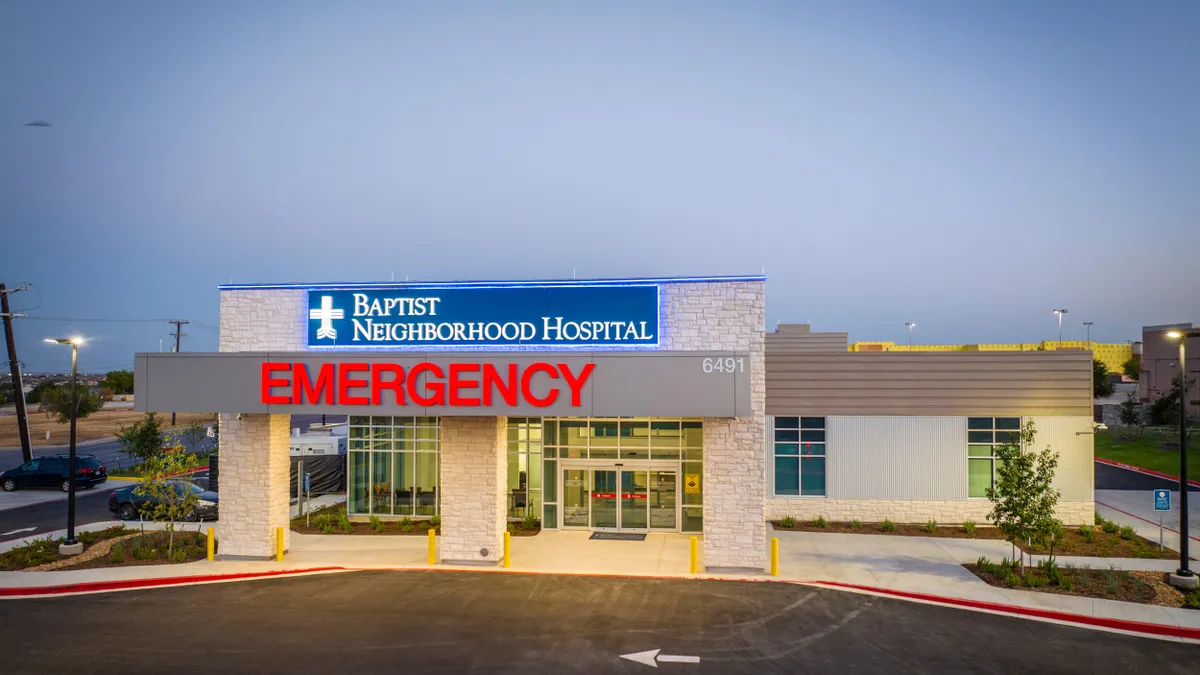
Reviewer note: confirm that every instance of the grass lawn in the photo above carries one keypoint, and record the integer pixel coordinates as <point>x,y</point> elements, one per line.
<point>1146,453</point>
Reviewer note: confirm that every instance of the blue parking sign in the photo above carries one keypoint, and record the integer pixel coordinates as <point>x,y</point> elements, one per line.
<point>1162,500</point>
<point>306,484</point>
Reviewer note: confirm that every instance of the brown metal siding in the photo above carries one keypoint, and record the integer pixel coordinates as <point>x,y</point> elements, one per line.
<point>918,383</point>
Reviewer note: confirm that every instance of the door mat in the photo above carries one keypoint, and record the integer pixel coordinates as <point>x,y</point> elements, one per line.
<point>619,536</point>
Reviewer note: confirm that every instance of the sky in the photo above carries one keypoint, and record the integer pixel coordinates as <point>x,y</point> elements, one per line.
<point>967,166</point>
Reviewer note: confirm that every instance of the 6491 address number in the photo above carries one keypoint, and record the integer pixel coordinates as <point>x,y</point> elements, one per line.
<point>729,364</point>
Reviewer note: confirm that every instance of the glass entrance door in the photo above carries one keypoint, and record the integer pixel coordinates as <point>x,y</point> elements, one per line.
<point>633,500</point>
<point>604,499</point>
<point>663,500</point>
<point>575,498</point>
<point>620,499</point>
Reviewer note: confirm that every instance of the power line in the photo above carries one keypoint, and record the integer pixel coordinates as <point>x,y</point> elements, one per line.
<point>63,318</point>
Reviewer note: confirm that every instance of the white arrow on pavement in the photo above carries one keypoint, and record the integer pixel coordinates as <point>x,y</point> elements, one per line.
<point>652,658</point>
<point>24,529</point>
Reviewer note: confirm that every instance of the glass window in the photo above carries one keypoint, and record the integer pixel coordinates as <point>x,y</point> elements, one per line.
<point>360,463</point>
<point>984,434</point>
<point>799,456</point>
<point>399,476</point>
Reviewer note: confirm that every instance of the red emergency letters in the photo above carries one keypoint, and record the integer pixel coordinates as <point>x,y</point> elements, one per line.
<point>424,384</point>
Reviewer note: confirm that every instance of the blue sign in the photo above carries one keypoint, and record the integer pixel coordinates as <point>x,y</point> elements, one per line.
<point>306,483</point>
<point>1162,500</point>
<point>554,317</point>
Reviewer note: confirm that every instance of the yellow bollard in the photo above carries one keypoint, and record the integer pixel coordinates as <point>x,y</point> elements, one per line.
<point>212,544</point>
<point>507,549</point>
<point>279,544</point>
<point>432,547</point>
<point>774,556</point>
<point>694,567</point>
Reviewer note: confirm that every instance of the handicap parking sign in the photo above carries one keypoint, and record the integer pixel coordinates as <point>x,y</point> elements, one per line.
<point>1162,500</point>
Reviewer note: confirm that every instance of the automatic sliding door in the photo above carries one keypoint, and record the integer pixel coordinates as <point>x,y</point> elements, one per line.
<point>604,499</point>
<point>633,500</point>
<point>575,498</point>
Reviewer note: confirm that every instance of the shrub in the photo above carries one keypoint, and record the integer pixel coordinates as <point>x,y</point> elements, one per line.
<point>1192,599</point>
<point>887,526</point>
<point>324,522</point>
<point>969,527</point>
<point>1012,579</point>
<point>787,521</point>
<point>1088,533</point>
<point>118,553</point>
<point>435,522</point>
<point>405,524</point>
<point>856,524</point>
<point>1097,518</point>
<point>1035,580</point>
<point>931,526</point>
<point>1128,533</point>
<point>820,522</point>
<point>531,522</point>
<point>511,528</point>
<point>179,555</point>
<point>376,524</point>
<point>1109,526</point>
<point>344,523</point>
<point>1111,580</point>
<point>143,553</point>
<point>1066,584</point>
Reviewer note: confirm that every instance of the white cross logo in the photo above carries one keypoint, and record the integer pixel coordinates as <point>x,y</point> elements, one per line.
<point>326,314</point>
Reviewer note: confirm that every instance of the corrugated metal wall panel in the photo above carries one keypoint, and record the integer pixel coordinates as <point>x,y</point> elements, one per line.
<point>1073,439</point>
<point>914,383</point>
<point>896,457</point>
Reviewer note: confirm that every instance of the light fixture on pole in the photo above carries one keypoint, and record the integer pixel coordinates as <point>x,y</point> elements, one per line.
<point>1089,331</point>
<point>1060,313</point>
<point>1183,576</point>
<point>911,325</point>
<point>71,546</point>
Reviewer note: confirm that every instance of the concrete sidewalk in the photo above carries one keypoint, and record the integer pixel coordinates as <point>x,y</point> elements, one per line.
<point>1136,509</point>
<point>905,564</point>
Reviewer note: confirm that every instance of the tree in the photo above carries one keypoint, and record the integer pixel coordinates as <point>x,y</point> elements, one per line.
<point>119,381</point>
<point>1023,496</point>
<point>142,440</point>
<point>1130,413</point>
<point>1164,411</point>
<point>1132,368</point>
<point>168,497</point>
<point>56,402</point>
<point>1102,387</point>
<point>35,394</point>
<point>192,434</point>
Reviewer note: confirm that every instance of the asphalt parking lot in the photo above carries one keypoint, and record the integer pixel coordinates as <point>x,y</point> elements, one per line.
<point>442,622</point>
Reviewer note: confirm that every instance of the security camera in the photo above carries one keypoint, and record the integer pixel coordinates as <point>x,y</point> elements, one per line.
<point>1099,426</point>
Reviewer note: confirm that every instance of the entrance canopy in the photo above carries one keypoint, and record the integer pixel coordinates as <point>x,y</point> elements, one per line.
<point>698,384</point>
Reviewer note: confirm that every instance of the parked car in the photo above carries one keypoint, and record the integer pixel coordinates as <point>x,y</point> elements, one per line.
<point>50,471</point>
<point>127,503</point>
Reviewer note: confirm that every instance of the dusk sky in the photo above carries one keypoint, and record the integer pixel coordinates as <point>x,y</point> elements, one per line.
<point>967,167</point>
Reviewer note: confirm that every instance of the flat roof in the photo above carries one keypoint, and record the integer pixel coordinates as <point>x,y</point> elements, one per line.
<point>373,285</point>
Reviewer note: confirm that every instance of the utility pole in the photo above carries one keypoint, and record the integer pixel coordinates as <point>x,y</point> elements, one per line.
<point>178,334</point>
<point>15,368</point>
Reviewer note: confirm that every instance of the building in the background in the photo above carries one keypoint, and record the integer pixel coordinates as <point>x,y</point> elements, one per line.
<point>1114,356</point>
<point>626,405</point>
<point>1160,363</point>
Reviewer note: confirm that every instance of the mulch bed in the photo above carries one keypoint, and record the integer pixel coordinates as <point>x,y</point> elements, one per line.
<point>1103,545</point>
<point>405,527</point>
<point>1147,588</point>
<point>43,556</point>
<point>192,543</point>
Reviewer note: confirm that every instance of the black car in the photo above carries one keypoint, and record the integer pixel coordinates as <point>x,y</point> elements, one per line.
<point>50,471</point>
<point>127,504</point>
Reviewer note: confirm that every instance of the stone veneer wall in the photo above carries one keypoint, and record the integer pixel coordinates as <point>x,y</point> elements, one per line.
<point>255,465</point>
<point>728,316</point>
<point>949,511</point>
<point>473,482</point>
<point>265,319</point>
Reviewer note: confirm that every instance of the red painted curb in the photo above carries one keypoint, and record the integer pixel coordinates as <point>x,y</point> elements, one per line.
<point>1148,472</point>
<point>127,584</point>
<point>1100,622</point>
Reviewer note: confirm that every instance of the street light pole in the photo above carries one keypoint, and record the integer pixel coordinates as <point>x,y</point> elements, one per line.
<point>1184,575</point>
<point>71,546</point>
<point>911,325</point>
<point>1060,313</point>
<point>1089,331</point>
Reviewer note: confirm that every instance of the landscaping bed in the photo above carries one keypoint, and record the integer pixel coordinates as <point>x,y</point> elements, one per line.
<point>333,520</point>
<point>116,546</point>
<point>1103,540</point>
<point>1147,588</point>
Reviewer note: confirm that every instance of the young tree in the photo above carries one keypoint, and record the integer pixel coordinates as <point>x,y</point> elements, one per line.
<point>1023,496</point>
<point>1164,411</point>
<point>142,440</point>
<point>1130,415</point>
<point>56,402</point>
<point>1132,368</point>
<point>192,434</point>
<point>119,381</point>
<point>168,497</point>
<point>1101,385</point>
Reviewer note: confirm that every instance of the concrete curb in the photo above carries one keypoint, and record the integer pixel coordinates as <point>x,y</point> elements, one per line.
<point>1122,625</point>
<point>1148,472</point>
<point>84,587</point>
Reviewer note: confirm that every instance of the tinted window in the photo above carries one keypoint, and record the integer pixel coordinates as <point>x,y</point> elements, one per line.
<point>53,465</point>
<point>29,466</point>
<point>87,463</point>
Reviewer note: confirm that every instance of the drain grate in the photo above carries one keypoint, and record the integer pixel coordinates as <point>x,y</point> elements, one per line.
<point>619,536</point>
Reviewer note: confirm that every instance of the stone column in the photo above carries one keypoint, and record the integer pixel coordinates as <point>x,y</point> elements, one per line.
<point>473,482</point>
<point>735,536</point>
<point>255,469</point>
